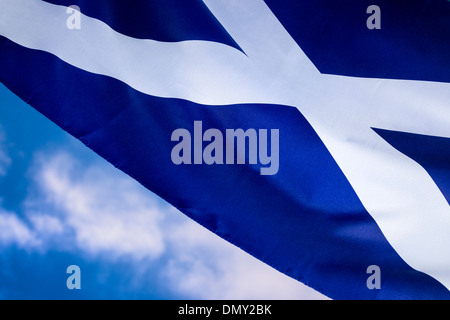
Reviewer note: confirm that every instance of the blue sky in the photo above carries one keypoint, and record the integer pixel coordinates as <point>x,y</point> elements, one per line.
<point>62,205</point>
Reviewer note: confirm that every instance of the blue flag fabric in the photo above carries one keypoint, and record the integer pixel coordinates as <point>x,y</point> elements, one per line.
<point>289,128</point>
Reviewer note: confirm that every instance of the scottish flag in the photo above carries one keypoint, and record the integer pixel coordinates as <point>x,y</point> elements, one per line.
<point>314,135</point>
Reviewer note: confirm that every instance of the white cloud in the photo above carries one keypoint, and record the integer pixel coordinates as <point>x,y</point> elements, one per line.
<point>107,212</point>
<point>46,225</point>
<point>14,231</point>
<point>99,211</point>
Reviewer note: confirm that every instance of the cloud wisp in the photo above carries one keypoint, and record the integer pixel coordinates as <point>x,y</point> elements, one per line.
<point>5,160</point>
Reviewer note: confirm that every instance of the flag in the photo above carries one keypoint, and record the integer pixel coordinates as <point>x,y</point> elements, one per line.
<point>313,135</point>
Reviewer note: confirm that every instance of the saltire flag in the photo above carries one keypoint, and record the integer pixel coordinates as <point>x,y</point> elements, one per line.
<point>315,135</point>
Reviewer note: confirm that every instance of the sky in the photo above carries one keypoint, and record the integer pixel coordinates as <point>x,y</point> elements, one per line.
<point>61,205</point>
